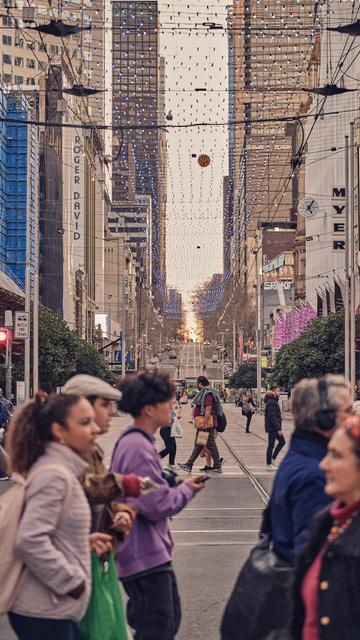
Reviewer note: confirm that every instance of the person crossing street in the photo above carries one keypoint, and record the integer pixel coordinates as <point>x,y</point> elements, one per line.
<point>205,418</point>
<point>273,421</point>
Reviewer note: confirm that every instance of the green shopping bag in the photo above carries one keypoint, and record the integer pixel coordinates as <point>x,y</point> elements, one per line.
<point>105,618</point>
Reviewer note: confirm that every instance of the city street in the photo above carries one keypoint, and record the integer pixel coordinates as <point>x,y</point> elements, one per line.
<point>214,534</point>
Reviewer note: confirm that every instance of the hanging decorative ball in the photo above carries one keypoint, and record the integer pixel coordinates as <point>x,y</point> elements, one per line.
<point>204,160</point>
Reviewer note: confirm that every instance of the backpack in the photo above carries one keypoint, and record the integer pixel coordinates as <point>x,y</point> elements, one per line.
<point>12,504</point>
<point>5,412</point>
<point>221,420</point>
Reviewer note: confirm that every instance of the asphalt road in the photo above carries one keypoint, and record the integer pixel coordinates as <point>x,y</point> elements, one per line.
<point>214,535</point>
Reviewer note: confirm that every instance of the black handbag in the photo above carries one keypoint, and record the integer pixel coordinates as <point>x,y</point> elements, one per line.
<point>261,598</point>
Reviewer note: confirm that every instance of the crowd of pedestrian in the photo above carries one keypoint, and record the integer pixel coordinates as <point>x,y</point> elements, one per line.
<point>67,516</point>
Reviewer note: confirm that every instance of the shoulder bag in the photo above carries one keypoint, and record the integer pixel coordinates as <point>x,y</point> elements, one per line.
<point>261,598</point>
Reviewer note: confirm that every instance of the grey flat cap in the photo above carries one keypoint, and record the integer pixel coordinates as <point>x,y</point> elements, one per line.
<point>84,385</point>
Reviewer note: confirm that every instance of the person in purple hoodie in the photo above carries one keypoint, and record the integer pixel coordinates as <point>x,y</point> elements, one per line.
<point>145,558</point>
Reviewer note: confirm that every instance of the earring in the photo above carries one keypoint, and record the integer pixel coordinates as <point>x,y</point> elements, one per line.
<point>62,441</point>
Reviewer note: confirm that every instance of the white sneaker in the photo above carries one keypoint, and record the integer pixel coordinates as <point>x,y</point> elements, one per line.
<point>174,467</point>
<point>270,467</point>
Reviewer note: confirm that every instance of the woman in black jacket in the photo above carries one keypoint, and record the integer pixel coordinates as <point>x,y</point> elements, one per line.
<point>327,578</point>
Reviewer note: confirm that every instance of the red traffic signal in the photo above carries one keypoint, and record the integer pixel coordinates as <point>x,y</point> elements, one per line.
<point>4,335</point>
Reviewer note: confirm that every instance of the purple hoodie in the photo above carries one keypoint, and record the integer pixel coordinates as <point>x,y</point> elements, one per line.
<point>149,543</point>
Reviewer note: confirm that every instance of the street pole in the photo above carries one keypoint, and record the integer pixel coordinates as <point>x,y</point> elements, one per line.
<point>222,358</point>
<point>347,255</point>
<point>234,345</point>
<point>123,353</point>
<point>27,299</point>
<point>258,331</point>
<point>36,308</point>
<point>8,365</point>
<point>352,260</point>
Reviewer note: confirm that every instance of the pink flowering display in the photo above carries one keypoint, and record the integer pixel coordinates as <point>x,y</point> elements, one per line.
<point>290,324</point>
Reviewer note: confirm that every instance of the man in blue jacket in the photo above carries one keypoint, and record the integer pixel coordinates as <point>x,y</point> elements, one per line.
<point>145,558</point>
<point>319,407</point>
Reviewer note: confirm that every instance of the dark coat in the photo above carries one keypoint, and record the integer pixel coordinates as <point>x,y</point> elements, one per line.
<point>272,413</point>
<point>339,581</point>
<point>298,493</point>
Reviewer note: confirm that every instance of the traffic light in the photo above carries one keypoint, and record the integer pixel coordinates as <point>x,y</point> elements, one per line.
<point>4,335</point>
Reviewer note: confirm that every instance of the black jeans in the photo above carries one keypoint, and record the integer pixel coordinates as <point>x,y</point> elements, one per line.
<point>270,453</point>
<point>27,628</point>
<point>170,445</point>
<point>248,420</point>
<point>154,609</point>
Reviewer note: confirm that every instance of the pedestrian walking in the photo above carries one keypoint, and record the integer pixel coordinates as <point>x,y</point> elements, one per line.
<point>261,600</point>
<point>326,597</point>
<point>169,441</point>
<point>319,406</point>
<point>6,411</point>
<point>273,420</point>
<point>103,488</point>
<point>248,409</point>
<point>145,558</point>
<point>205,419</point>
<point>48,440</point>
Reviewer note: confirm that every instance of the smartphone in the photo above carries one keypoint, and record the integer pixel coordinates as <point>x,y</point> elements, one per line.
<point>202,480</point>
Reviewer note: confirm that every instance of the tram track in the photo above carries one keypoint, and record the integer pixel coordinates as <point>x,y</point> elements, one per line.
<point>265,497</point>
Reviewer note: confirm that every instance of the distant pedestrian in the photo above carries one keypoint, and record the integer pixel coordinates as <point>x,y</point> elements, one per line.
<point>169,441</point>
<point>248,409</point>
<point>326,599</point>
<point>145,558</point>
<point>273,422</point>
<point>205,418</point>
<point>48,439</point>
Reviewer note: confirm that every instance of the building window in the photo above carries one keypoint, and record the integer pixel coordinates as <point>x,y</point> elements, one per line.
<point>7,77</point>
<point>19,80</point>
<point>7,21</point>
<point>41,46</point>
<point>6,58</point>
<point>30,64</point>
<point>30,45</point>
<point>7,40</point>
<point>54,48</point>
<point>19,62</point>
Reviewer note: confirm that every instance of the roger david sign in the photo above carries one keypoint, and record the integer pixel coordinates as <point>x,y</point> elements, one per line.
<point>77,199</point>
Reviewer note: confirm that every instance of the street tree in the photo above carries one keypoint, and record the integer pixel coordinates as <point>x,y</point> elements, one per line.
<point>319,350</point>
<point>244,377</point>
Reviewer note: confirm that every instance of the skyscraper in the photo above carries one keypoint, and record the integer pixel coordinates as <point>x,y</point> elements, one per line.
<point>136,81</point>
<point>270,47</point>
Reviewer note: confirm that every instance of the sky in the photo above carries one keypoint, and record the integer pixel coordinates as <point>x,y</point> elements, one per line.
<point>195,59</point>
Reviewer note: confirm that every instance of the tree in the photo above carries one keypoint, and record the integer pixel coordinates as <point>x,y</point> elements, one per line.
<point>63,354</point>
<point>319,350</point>
<point>244,377</point>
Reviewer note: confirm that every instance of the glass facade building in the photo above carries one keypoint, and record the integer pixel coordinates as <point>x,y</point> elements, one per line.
<point>19,161</point>
<point>135,103</point>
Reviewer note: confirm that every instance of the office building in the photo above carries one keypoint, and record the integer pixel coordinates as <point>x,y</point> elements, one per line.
<point>136,82</point>
<point>270,48</point>
<point>19,197</point>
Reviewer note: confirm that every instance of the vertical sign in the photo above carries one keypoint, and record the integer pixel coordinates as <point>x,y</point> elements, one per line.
<point>20,392</point>
<point>77,200</point>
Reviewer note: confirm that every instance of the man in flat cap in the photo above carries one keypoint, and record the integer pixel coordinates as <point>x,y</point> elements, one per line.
<point>103,487</point>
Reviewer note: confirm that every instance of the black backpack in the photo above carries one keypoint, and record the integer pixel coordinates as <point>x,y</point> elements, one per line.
<point>221,422</point>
